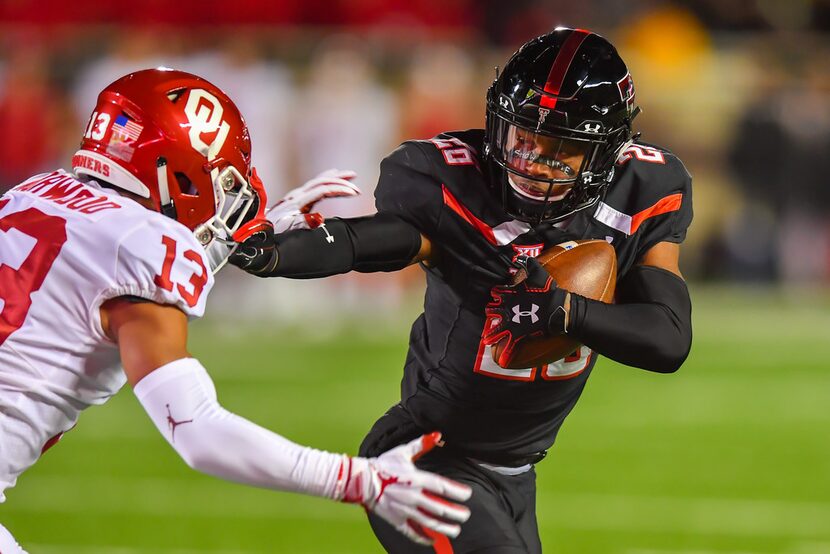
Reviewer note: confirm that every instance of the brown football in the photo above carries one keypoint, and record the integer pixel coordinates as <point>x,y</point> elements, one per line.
<point>585,267</point>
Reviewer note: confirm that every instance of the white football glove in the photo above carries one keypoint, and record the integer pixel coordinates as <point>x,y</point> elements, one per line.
<point>294,210</point>
<point>408,498</point>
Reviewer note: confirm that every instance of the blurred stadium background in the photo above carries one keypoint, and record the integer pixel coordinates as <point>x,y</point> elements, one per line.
<point>731,455</point>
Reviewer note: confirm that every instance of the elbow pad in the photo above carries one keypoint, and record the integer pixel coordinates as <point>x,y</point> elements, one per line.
<point>180,398</point>
<point>649,327</point>
<point>380,242</point>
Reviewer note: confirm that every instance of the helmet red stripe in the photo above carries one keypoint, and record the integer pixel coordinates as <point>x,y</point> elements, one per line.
<point>561,64</point>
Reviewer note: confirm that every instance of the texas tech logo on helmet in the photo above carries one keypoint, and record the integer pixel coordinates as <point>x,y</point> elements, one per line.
<point>626,86</point>
<point>543,113</point>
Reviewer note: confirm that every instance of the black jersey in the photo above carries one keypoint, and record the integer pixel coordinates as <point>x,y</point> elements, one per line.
<point>451,382</point>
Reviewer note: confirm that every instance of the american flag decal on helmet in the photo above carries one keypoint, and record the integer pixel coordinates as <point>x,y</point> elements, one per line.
<point>129,130</point>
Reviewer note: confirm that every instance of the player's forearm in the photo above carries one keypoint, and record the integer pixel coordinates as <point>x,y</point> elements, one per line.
<point>381,242</point>
<point>181,400</point>
<point>241,451</point>
<point>650,327</point>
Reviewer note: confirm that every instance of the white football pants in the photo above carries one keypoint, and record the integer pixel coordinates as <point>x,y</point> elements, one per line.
<point>7,543</point>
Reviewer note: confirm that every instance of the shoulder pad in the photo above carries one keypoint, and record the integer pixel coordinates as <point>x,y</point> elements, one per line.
<point>160,260</point>
<point>441,153</point>
<point>651,172</point>
<point>413,176</point>
<point>649,182</point>
<point>408,188</point>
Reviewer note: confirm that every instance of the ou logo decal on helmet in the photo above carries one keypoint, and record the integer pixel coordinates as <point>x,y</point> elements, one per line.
<point>204,113</point>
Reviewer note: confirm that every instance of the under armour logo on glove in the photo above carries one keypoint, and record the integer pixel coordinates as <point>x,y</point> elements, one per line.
<point>519,314</point>
<point>533,286</point>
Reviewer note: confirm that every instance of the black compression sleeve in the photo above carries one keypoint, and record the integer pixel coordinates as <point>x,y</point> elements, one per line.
<point>650,327</point>
<point>380,242</point>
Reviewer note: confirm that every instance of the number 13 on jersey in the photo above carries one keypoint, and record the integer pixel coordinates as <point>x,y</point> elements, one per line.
<point>197,282</point>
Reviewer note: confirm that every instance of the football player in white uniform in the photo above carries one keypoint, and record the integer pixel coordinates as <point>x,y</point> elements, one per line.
<point>100,271</point>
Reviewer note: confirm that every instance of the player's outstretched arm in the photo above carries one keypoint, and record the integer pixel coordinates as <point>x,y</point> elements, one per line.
<point>379,242</point>
<point>302,245</point>
<point>180,398</point>
<point>650,325</point>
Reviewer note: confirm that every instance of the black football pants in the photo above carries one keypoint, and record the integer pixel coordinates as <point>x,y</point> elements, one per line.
<point>503,507</point>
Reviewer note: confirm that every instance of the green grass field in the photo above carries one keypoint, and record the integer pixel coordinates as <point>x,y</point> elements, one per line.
<point>730,455</point>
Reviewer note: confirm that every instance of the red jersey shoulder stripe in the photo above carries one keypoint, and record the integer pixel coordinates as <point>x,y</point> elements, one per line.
<point>503,233</point>
<point>468,216</point>
<point>665,205</point>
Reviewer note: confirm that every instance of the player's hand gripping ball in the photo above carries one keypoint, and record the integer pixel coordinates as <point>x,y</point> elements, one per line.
<point>526,320</point>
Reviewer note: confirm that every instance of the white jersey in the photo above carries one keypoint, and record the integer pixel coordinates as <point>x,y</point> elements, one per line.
<point>65,248</point>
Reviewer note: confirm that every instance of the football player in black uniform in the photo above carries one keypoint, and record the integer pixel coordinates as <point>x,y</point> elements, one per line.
<point>558,160</point>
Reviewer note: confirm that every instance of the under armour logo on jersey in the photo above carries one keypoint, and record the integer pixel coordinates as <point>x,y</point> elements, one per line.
<point>519,314</point>
<point>172,423</point>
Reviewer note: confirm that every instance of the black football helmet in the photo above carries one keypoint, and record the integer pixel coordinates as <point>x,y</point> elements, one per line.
<point>558,116</point>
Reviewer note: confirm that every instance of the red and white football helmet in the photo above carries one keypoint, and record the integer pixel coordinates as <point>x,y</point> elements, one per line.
<point>178,140</point>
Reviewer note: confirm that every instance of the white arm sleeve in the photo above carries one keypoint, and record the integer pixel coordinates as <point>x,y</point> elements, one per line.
<point>181,400</point>
<point>7,543</point>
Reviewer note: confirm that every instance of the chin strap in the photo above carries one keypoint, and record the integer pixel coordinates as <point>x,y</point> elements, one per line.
<point>166,203</point>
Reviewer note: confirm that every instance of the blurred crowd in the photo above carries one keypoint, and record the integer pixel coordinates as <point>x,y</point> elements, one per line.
<point>739,89</point>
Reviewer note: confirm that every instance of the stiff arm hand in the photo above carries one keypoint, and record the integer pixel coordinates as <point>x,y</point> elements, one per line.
<point>256,252</point>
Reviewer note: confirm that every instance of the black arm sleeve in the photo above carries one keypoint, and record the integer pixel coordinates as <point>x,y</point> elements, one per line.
<point>380,242</point>
<point>650,327</point>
